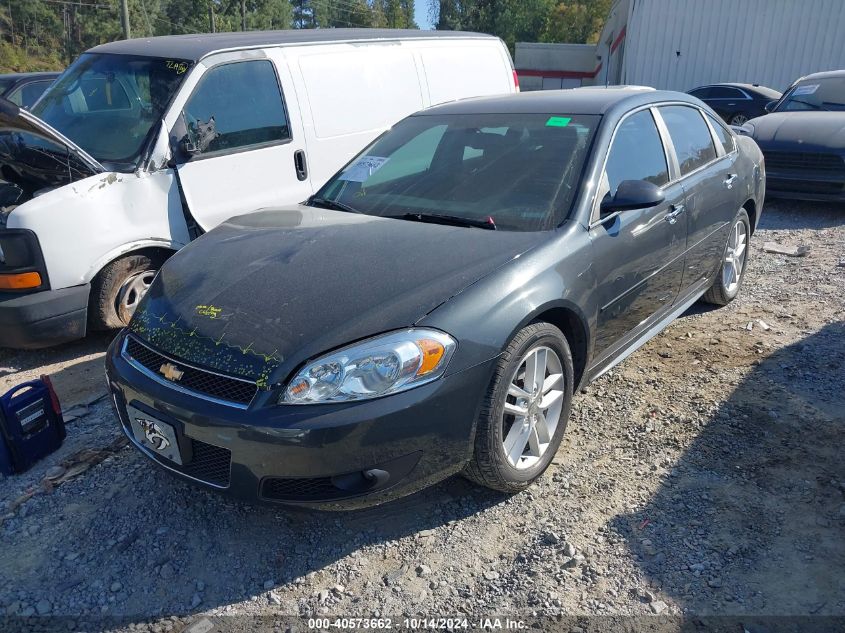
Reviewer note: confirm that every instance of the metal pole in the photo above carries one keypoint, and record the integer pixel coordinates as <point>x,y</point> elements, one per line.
<point>212,25</point>
<point>124,19</point>
<point>243,15</point>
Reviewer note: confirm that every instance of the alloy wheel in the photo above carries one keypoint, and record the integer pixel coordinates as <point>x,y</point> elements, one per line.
<point>739,119</point>
<point>735,257</point>
<point>533,406</point>
<point>131,293</point>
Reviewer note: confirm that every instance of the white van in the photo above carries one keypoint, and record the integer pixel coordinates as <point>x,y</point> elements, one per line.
<point>141,145</point>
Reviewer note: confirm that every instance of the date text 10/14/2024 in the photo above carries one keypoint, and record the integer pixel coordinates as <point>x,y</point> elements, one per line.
<point>420,623</point>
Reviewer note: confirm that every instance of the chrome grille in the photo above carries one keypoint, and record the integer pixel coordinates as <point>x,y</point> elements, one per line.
<point>202,382</point>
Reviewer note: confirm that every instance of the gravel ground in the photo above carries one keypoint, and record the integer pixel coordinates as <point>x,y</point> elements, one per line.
<point>703,476</point>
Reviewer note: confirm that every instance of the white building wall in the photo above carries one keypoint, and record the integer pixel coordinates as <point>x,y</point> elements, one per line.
<point>681,44</point>
<point>553,66</point>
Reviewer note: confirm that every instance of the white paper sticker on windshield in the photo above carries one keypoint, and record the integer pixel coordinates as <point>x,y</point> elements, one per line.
<point>363,168</point>
<point>805,90</point>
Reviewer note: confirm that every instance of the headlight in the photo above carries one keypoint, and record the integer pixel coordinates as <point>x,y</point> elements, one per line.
<point>376,367</point>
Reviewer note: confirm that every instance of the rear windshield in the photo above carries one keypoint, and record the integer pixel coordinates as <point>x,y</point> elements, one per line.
<point>520,170</point>
<point>109,104</point>
<point>815,94</point>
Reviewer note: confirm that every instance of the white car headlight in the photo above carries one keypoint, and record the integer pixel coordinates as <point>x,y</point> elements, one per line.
<point>376,367</point>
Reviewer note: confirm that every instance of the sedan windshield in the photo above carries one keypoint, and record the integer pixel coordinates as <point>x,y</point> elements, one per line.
<point>815,94</point>
<point>510,171</point>
<point>109,104</point>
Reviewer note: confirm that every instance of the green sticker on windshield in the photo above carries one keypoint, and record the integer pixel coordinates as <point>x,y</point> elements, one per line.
<point>558,121</point>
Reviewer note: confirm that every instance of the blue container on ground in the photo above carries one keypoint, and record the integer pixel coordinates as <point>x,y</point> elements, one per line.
<point>31,425</point>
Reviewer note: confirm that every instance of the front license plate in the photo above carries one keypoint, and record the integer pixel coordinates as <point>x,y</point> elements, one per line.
<point>159,437</point>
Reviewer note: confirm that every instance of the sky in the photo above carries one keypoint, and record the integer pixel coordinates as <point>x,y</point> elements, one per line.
<point>421,14</point>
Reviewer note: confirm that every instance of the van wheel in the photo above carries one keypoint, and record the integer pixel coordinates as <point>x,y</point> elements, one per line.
<point>524,414</point>
<point>120,286</point>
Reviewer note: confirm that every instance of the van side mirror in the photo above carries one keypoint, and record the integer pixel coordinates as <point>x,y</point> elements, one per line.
<point>632,194</point>
<point>770,106</point>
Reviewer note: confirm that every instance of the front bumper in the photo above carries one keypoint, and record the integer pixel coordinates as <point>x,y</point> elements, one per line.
<point>329,456</point>
<point>42,319</point>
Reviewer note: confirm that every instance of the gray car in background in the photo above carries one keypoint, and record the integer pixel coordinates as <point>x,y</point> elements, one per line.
<point>433,308</point>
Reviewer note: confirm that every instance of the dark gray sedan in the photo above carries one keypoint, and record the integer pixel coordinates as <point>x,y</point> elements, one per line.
<point>432,309</point>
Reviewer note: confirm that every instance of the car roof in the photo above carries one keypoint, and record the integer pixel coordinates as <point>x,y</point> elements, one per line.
<point>736,84</point>
<point>588,100</point>
<point>195,47</point>
<point>823,75</point>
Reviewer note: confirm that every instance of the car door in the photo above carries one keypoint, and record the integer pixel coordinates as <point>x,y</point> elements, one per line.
<point>638,254</point>
<point>708,174</point>
<point>236,144</point>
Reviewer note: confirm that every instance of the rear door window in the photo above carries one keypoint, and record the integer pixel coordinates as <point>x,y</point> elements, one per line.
<point>235,106</point>
<point>690,136</point>
<point>701,93</point>
<point>724,92</point>
<point>722,134</point>
<point>637,153</point>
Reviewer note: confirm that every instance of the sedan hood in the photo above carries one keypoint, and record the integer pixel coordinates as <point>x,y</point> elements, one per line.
<point>35,156</point>
<point>810,129</point>
<point>264,292</point>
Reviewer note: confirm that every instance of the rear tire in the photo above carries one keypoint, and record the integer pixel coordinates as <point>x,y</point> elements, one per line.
<point>738,119</point>
<point>732,269</point>
<point>118,288</point>
<point>533,438</point>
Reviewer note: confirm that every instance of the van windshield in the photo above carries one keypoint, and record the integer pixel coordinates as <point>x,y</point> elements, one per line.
<point>109,104</point>
<point>509,171</point>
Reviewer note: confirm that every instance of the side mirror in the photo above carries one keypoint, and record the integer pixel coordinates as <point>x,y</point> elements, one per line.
<point>632,194</point>
<point>770,106</point>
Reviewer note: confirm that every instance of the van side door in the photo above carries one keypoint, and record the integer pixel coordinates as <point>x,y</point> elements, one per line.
<point>235,144</point>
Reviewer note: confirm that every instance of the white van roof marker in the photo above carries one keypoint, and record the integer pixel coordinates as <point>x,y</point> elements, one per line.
<point>199,46</point>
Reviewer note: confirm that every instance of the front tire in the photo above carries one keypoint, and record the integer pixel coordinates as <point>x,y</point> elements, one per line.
<point>117,290</point>
<point>525,412</point>
<point>734,260</point>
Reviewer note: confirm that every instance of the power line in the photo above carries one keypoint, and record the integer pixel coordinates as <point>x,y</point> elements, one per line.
<point>81,4</point>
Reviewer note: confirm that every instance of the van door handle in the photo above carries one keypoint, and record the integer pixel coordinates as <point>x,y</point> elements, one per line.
<point>300,164</point>
<point>729,181</point>
<point>672,216</point>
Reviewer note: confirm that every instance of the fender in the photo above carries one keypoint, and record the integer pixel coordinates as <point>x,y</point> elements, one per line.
<point>125,249</point>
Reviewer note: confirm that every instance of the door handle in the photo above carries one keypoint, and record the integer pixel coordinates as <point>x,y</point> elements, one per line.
<point>672,216</point>
<point>300,164</point>
<point>729,180</point>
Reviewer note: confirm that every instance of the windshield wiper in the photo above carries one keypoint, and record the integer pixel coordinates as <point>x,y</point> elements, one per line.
<point>453,220</point>
<point>325,203</point>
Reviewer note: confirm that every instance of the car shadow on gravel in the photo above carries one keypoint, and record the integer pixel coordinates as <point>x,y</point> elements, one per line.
<point>751,518</point>
<point>781,214</point>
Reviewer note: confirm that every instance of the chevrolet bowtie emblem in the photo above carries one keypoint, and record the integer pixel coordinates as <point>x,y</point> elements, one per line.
<point>171,372</point>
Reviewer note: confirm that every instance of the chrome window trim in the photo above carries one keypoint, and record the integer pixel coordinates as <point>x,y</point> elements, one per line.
<point>712,140</point>
<point>596,203</point>
<point>668,151</point>
<point>712,123</point>
<point>167,383</point>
